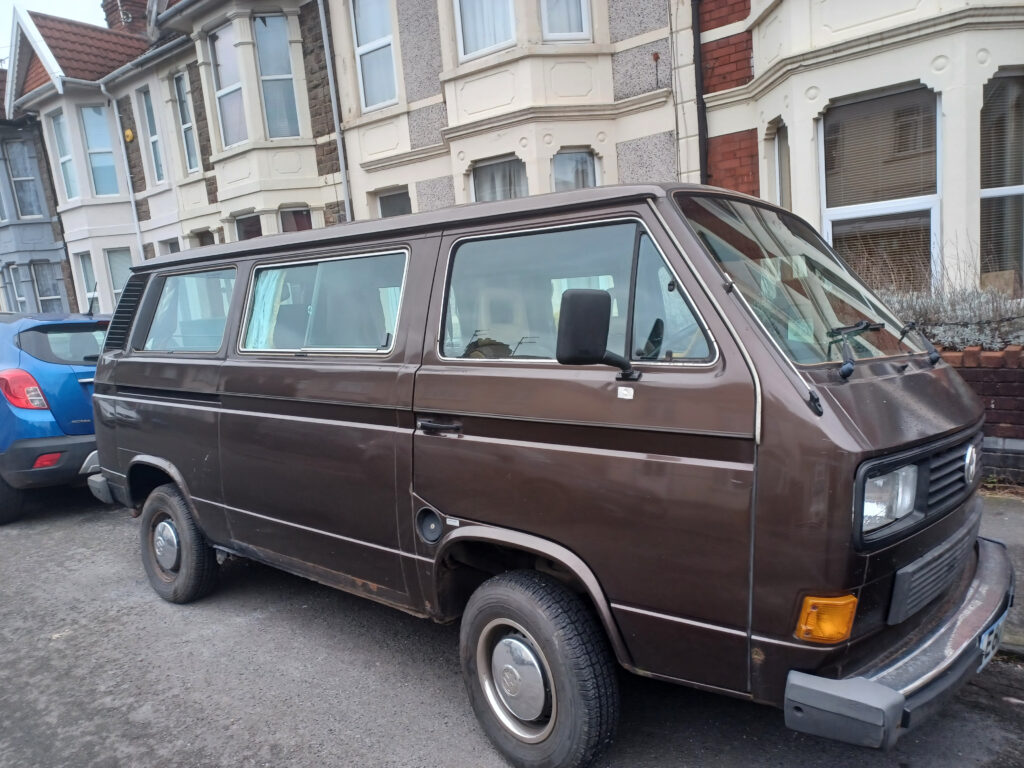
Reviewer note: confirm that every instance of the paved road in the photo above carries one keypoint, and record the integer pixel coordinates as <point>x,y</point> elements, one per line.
<point>272,670</point>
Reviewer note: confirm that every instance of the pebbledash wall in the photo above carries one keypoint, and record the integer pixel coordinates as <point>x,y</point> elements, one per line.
<point>998,379</point>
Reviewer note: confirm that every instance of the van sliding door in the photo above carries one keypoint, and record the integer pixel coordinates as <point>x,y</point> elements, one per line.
<point>316,428</point>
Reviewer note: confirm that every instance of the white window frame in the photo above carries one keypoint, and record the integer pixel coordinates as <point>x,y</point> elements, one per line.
<point>219,92</point>
<point>496,161</point>
<point>89,152</point>
<point>116,292</point>
<point>64,160</point>
<point>370,47</point>
<point>388,193</point>
<point>578,150</point>
<point>292,209</point>
<point>584,36</point>
<point>917,204</point>
<point>463,56</point>
<point>13,179</point>
<point>15,280</point>
<point>153,134</point>
<point>290,77</point>
<point>90,292</point>
<point>181,97</point>
<point>35,285</point>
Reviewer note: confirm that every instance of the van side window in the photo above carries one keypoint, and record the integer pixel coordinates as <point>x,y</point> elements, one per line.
<point>192,312</point>
<point>664,326</point>
<point>505,292</point>
<point>348,304</point>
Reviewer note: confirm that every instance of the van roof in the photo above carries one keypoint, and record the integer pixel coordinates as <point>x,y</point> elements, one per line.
<point>459,215</point>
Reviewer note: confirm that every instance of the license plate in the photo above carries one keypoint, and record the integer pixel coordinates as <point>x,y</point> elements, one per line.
<point>989,641</point>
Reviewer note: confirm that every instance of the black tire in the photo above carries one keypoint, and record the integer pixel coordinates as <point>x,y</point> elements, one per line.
<point>526,609</point>
<point>194,573</point>
<point>12,502</point>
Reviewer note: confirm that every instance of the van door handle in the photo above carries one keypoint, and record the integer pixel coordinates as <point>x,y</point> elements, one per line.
<point>427,425</point>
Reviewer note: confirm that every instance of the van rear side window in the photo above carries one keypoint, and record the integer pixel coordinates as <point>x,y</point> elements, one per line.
<point>341,305</point>
<point>192,312</point>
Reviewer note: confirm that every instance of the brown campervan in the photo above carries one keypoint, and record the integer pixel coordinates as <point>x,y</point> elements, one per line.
<point>659,427</point>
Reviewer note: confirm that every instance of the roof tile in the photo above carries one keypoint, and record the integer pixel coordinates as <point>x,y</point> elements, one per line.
<point>86,51</point>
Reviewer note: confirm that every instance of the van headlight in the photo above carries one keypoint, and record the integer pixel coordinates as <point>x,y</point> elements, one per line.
<point>888,497</point>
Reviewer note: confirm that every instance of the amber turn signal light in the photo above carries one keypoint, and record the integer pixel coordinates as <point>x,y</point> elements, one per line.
<point>826,619</point>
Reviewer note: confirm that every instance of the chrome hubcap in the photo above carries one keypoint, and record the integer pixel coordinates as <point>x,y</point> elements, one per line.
<point>165,545</point>
<point>518,678</point>
<point>515,679</point>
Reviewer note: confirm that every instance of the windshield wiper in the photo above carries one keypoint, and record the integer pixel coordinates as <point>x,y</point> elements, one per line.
<point>933,353</point>
<point>841,334</point>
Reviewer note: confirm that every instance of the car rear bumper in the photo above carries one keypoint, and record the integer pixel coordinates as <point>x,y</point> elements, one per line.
<point>877,706</point>
<point>75,463</point>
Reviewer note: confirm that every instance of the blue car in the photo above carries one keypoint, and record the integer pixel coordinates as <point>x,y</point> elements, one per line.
<point>47,364</point>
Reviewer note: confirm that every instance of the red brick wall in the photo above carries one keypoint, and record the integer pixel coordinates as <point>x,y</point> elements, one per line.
<point>718,13</point>
<point>728,62</point>
<point>998,379</point>
<point>733,163</point>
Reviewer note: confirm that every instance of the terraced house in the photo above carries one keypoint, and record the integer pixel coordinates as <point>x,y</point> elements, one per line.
<point>32,259</point>
<point>896,126</point>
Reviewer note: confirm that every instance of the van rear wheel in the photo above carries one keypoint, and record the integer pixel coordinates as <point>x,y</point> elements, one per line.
<point>180,565</point>
<point>540,676</point>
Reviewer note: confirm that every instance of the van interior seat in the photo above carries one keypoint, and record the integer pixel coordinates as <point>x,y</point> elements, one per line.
<point>290,326</point>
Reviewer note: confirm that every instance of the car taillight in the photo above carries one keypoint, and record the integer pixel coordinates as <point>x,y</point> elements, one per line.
<point>22,390</point>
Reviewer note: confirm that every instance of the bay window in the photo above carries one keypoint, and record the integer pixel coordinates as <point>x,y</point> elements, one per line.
<point>1002,184</point>
<point>275,68</point>
<point>99,148</point>
<point>155,155</point>
<point>248,227</point>
<point>228,85</point>
<point>375,61</point>
<point>499,179</point>
<point>296,219</point>
<point>880,206</point>
<point>46,278</point>
<point>188,133</point>
<point>119,264</point>
<point>482,26</point>
<point>565,19</point>
<point>21,167</point>
<point>88,277</point>
<point>573,169</point>
<point>67,166</point>
<point>394,203</point>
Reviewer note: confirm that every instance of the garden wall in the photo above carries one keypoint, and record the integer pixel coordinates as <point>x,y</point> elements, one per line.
<point>998,379</point>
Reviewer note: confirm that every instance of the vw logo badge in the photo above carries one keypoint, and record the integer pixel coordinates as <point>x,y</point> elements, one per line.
<point>970,464</point>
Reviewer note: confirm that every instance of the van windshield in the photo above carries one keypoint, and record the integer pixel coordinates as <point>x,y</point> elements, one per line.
<point>805,297</point>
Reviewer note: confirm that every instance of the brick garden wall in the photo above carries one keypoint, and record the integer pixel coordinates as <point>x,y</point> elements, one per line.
<point>998,379</point>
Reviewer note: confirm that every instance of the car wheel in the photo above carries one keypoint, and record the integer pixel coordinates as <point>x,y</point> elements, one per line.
<point>539,672</point>
<point>180,565</point>
<point>12,503</point>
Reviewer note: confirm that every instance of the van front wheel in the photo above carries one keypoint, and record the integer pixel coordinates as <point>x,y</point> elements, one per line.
<point>539,672</point>
<point>180,565</point>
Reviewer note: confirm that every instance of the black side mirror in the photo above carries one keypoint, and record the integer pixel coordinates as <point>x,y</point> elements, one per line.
<point>583,331</point>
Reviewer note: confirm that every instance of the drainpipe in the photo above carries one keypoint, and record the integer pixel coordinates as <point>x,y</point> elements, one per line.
<point>339,137</point>
<point>702,112</point>
<point>127,170</point>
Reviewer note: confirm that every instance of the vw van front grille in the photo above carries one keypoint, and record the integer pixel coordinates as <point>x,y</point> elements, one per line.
<point>947,480</point>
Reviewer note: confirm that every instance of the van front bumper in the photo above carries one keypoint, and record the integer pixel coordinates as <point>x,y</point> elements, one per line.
<point>875,708</point>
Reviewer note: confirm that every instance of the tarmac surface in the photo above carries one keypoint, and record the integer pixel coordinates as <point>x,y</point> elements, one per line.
<point>1004,521</point>
<point>272,670</point>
